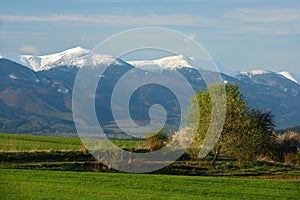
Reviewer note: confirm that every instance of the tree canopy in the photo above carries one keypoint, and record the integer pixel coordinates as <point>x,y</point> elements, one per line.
<point>247,133</point>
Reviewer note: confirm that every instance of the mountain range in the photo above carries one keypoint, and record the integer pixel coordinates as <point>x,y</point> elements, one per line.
<point>36,91</point>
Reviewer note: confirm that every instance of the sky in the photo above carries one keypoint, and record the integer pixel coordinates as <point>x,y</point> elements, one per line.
<point>239,34</point>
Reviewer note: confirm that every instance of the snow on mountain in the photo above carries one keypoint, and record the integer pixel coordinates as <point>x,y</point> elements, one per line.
<point>81,57</point>
<point>77,56</point>
<point>250,74</point>
<point>32,62</point>
<point>166,63</point>
<point>288,76</point>
<point>180,61</point>
<point>255,72</point>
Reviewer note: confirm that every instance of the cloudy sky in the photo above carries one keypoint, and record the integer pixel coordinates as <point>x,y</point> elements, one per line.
<point>240,34</point>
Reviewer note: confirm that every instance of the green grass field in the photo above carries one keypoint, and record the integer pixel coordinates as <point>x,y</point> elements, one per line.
<point>19,142</point>
<point>37,184</point>
<point>37,167</point>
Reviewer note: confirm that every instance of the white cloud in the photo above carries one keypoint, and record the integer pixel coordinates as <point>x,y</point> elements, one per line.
<point>125,20</point>
<point>288,32</point>
<point>265,15</point>
<point>28,49</point>
<point>275,21</point>
<point>256,28</point>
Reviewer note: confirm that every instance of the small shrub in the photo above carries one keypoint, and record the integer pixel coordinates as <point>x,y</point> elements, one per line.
<point>289,148</point>
<point>156,141</point>
<point>83,149</point>
<point>292,159</point>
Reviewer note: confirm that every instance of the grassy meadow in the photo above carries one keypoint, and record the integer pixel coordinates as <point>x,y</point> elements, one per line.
<point>37,184</point>
<point>44,167</point>
<point>19,142</point>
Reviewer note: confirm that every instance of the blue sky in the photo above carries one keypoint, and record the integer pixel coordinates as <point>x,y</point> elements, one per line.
<point>240,34</point>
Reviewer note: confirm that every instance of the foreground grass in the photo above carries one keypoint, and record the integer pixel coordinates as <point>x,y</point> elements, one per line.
<point>36,184</point>
<point>17,182</point>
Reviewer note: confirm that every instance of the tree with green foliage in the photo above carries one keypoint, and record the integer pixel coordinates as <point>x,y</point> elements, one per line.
<point>246,132</point>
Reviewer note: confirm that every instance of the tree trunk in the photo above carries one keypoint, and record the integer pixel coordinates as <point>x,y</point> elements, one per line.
<point>216,156</point>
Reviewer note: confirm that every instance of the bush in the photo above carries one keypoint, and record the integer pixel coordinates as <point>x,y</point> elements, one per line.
<point>292,158</point>
<point>156,141</point>
<point>289,148</point>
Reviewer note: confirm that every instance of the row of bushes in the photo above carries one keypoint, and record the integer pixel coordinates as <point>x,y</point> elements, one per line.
<point>285,150</point>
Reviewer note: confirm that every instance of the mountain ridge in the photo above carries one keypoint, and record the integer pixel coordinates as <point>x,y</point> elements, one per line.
<point>258,72</point>
<point>82,57</point>
<point>76,56</point>
<point>49,93</point>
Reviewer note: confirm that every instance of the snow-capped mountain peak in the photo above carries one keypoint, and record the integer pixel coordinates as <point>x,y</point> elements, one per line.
<point>77,56</point>
<point>288,76</point>
<point>30,61</point>
<point>166,63</point>
<point>255,72</point>
<point>80,57</point>
<point>250,74</point>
